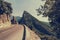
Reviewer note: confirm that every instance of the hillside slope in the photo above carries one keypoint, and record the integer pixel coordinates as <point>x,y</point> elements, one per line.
<point>40,28</point>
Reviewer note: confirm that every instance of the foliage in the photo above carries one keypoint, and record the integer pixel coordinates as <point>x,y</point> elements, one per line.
<point>5,7</point>
<point>52,10</point>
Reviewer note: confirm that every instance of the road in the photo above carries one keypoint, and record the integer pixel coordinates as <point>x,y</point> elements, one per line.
<point>13,33</point>
<point>16,32</point>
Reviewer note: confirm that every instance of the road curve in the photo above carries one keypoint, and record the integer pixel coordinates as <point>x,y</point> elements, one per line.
<point>13,33</point>
<point>16,33</point>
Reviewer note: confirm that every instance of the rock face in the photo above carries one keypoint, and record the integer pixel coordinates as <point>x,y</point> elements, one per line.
<point>42,29</point>
<point>4,22</point>
<point>32,23</point>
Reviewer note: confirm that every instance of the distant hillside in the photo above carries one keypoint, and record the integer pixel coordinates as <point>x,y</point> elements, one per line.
<point>17,18</point>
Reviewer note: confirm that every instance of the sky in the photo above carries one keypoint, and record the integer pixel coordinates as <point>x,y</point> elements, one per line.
<point>28,5</point>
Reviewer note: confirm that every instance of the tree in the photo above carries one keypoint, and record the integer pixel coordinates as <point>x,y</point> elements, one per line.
<point>14,21</point>
<point>52,10</point>
<point>5,7</point>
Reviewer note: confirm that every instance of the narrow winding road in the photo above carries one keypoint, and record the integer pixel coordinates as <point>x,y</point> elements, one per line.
<point>13,33</point>
<point>17,32</point>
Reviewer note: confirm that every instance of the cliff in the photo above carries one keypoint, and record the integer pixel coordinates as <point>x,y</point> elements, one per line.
<point>40,28</point>
<point>4,22</point>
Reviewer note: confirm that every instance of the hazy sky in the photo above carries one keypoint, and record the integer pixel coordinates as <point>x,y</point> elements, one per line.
<point>29,5</point>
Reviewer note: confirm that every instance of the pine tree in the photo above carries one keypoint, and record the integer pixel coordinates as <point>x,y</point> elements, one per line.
<point>52,10</point>
<point>5,7</point>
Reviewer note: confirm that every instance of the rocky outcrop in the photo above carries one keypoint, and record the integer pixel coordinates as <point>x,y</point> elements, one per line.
<point>40,28</point>
<point>33,23</point>
<point>4,22</point>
